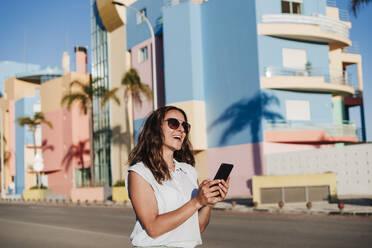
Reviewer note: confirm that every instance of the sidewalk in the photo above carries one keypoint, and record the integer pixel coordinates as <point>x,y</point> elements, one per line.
<point>352,207</point>
<point>360,206</point>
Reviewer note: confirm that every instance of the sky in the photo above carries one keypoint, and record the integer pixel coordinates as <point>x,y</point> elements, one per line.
<point>39,31</point>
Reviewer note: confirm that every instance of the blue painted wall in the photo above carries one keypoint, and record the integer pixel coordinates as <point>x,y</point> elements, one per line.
<point>183,53</point>
<point>137,33</point>
<point>320,104</point>
<point>23,137</point>
<point>270,50</point>
<point>232,88</point>
<point>8,69</point>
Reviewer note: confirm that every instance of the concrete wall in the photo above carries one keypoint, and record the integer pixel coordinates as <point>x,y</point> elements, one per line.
<point>352,165</point>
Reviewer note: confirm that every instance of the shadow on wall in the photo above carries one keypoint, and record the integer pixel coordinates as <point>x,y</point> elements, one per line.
<point>248,113</point>
<point>45,146</point>
<point>77,152</point>
<point>122,139</point>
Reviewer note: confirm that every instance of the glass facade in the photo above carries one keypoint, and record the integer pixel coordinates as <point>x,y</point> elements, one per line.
<point>101,115</point>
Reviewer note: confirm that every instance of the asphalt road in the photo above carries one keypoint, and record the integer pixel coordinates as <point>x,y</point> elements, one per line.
<point>48,226</point>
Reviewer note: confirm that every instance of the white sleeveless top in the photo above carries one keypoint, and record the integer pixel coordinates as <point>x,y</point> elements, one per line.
<point>171,195</point>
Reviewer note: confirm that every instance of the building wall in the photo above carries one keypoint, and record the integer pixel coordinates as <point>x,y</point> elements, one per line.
<point>8,69</point>
<point>310,7</point>
<point>232,88</point>
<point>120,117</point>
<point>270,50</point>
<point>137,33</point>
<point>23,137</point>
<point>320,104</point>
<point>69,136</point>
<point>352,165</point>
<point>145,71</point>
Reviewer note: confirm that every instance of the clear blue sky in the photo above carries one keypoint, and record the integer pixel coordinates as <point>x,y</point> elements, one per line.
<point>39,31</point>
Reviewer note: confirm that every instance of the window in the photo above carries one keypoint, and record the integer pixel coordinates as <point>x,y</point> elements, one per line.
<point>297,110</point>
<point>294,58</point>
<point>292,6</point>
<point>142,55</point>
<point>141,16</point>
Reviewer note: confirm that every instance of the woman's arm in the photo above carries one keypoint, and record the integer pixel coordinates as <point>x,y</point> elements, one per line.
<point>205,211</point>
<point>144,203</point>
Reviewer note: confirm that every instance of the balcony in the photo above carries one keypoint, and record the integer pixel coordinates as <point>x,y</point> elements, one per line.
<point>316,28</point>
<point>310,79</point>
<point>288,132</point>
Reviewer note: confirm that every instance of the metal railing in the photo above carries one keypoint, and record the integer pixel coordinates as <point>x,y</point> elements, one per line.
<point>347,128</point>
<point>343,15</point>
<point>333,77</point>
<point>326,24</point>
<point>354,48</point>
<point>171,3</point>
<point>331,3</point>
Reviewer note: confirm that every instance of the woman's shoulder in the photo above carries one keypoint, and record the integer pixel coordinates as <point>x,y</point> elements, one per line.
<point>141,169</point>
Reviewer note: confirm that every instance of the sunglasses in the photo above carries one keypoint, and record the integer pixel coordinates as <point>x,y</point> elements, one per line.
<point>173,123</point>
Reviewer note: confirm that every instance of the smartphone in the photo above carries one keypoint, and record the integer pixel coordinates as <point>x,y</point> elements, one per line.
<point>224,171</point>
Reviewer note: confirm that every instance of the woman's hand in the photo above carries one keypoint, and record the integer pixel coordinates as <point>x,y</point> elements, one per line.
<point>223,189</point>
<point>208,192</point>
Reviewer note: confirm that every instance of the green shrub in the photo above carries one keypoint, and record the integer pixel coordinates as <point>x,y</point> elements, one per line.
<point>41,187</point>
<point>119,183</point>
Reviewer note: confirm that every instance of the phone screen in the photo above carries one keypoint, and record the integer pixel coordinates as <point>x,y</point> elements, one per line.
<point>224,171</point>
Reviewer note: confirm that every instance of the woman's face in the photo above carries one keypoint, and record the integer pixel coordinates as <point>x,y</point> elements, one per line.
<point>173,138</point>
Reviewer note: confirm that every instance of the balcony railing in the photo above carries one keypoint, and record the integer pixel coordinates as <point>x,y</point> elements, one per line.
<point>346,129</point>
<point>334,78</point>
<point>326,24</point>
<point>171,3</point>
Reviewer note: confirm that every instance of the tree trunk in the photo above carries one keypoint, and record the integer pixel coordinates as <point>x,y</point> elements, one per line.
<point>35,152</point>
<point>91,144</point>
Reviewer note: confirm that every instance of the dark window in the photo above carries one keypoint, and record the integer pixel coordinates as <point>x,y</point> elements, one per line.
<point>291,7</point>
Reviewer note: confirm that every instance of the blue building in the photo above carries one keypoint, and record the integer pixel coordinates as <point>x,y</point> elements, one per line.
<point>254,77</point>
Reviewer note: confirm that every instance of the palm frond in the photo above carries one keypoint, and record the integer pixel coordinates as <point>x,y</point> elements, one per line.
<point>23,121</point>
<point>81,85</point>
<point>355,5</point>
<point>72,98</point>
<point>110,94</point>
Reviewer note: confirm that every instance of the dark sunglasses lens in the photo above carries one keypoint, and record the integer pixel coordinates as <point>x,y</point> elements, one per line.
<point>186,127</point>
<point>173,123</point>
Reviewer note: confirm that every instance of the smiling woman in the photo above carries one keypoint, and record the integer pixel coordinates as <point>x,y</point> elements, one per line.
<point>171,209</point>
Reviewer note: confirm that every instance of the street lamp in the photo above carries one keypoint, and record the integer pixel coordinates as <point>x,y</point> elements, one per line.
<point>154,85</point>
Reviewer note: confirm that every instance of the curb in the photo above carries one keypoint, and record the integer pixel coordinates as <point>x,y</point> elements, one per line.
<point>223,206</point>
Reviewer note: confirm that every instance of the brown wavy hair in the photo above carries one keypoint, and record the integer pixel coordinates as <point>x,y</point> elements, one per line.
<point>150,142</point>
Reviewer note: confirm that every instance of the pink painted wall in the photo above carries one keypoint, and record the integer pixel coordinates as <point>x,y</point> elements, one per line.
<point>305,136</point>
<point>11,142</point>
<point>270,148</point>
<point>81,61</point>
<point>86,193</point>
<point>145,71</point>
<point>247,160</point>
<point>59,143</point>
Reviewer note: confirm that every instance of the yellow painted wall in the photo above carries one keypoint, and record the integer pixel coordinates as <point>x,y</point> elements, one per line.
<point>293,181</point>
<point>195,111</point>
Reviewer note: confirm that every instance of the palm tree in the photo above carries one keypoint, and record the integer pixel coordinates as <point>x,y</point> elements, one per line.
<point>84,97</point>
<point>32,123</point>
<point>355,5</point>
<point>135,89</point>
